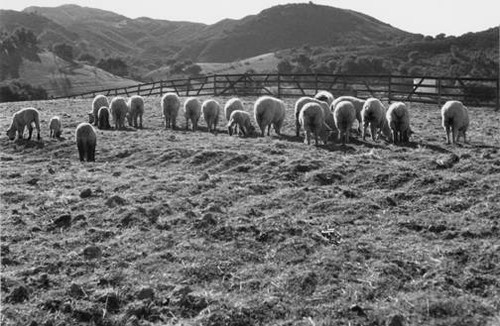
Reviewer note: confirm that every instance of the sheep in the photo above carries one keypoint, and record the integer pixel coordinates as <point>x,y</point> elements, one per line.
<point>86,140</point>
<point>98,102</point>
<point>358,105</point>
<point>344,116</point>
<point>170,105</point>
<point>103,118</point>
<point>21,119</point>
<point>192,111</point>
<point>119,109</point>
<point>373,114</point>
<point>242,119</point>
<point>455,119</point>
<point>210,109</point>
<point>326,112</point>
<point>269,111</point>
<point>312,119</point>
<point>135,111</point>
<point>232,105</point>
<point>398,119</point>
<point>324,96</point>
<point>91,117</point>
<point>55,127</point>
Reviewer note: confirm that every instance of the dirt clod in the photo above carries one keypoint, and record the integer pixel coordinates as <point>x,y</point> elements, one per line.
<point>63,221</point>
<point>92,252</point>
<point>18,295</point>
<point>114,201</point>
<point>86,193</point>
<point>146,294</point>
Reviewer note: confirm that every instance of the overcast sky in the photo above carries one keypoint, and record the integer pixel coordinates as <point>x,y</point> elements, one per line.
<point>428,17</point>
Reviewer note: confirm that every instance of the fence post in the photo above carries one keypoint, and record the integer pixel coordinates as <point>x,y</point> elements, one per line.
<point>279,86</point>
<point>390,89</point>
<point>215,84</point>
<point>316,83</point>
<point>439,91</point>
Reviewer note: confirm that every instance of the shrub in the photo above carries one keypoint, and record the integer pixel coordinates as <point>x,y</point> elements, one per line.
<point>19,91</point>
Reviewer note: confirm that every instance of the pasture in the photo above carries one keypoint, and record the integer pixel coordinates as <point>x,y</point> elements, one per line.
<point>180,227</point>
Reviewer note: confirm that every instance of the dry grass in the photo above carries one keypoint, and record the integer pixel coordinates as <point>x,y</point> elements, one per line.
<point>197,228</point>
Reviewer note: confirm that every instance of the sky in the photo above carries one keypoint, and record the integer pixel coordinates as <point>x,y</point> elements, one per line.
<point>428,17</point>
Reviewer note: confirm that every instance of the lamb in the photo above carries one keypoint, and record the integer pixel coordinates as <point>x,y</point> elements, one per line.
<point>344,116</point>
<point>398,119</point>
<point>86,141</point>
<point>455,119</point>
<point>312,119</point>
<point>170,105</point>
<point>55,127</point>
<point>192,111</point>
<point>373,114</point>
<point>103,118</point>
<point>21,119</point>
<point>232,105</point>
<point>98,102</point>
<point>326,112</point>
<point>242,119</point>
<point>358,105</point>
<point>210,109</point>
<point>324,96</point>
<point>269,111</point>
<point>135,111</point>
<point>119,109</point>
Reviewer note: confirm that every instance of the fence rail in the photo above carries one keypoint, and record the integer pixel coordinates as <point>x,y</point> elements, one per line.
<point>422,89</point>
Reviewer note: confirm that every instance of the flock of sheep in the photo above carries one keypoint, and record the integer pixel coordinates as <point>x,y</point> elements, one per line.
<point>318,116</point>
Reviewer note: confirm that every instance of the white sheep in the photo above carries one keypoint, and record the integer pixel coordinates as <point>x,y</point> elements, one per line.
<point>358,105</point>
<point>211,109</point>
<point>119,109</point>
<point>55,127</point>
<point>344,115</point>
<point>103,118</point>
<point>269,111</point>
<point>373,114</point>
<point>192,111</point>
<point>233,105</point>
<point>312,119</point>
<point>455,119</point>
<point>170,105</point>
<point>398,118</point>
<point>241,119</point>
<point>98,102</point>
<point>326,112</point>
<point>21,119</point>
<point>325,96</point>
<point>135,111</point>
<point>86,140</point>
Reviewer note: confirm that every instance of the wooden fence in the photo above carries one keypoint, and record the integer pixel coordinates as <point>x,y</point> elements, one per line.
<point>421,89</point>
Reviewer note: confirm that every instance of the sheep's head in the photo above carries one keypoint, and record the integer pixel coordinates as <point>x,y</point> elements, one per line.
<point>11,133</point>
<point>91,117</point>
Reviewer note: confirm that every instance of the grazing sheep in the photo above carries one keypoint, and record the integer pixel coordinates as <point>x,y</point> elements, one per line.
<point>398,119</point>
<point>373,114</point>
<point>98,102</point>
<point>135,111</point>
<point>324,96</point>
<point>55,127</point>
<point>86,140</point>
<point>326,112</point>
<point>312,119</point>
<point>170,105</point>
<point>344,116</point>
<point>242,119</point>
<point>103,118</point>
<point>358,105</point>
<point>233,105</point>
<point>269,111</point>
<point>455,118</point>
<point>210,109</point>
<point>21,119</point>
<point>91,117</point>
<point>192,111</point>
<point>119,109</point>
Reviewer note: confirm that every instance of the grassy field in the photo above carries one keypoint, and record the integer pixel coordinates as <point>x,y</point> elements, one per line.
<point>180,227</point>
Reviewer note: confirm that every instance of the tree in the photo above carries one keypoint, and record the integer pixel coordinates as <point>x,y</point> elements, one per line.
<point>284,66</point>
<point>63,51</point>
<point>86,57</point>
<point>116,66</point>
<point>14,47</point>
<point>18,91</point>
<point>193,70</point>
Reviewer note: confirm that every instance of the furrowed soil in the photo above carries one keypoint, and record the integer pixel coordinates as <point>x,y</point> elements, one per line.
<point>180,227</point>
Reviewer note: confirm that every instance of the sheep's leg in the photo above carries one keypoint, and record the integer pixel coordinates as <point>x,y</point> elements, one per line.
<point>454,135</point>
<point>269,130</point>
<point>91,153</point>
<point>187,123</point>
<point>373,130</point>
<point>394,135</point>
<point>316,137</point>
<point>297,127</point>
<point>81,150</point>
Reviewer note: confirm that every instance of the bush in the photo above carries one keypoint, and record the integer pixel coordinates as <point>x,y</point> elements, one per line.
<point>19,91</point>
<point>63,51</point>
<point>116,66</point>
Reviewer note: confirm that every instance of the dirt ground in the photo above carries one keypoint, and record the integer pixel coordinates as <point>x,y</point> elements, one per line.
<point>193,228</point>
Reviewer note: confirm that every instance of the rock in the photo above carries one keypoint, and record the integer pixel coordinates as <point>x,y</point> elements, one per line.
<point>204,177</point>
<point>18,294</point>
<point>86,193</point>
<point>447,161</point>
<point>63,221</point>
<point>146,293</point>
<point>92,252</point>
<point>114,201</point>
<point>358,310</point>
<point>396,320</point>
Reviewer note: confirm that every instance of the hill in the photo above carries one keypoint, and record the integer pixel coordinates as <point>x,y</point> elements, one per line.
<point>180,227</point>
